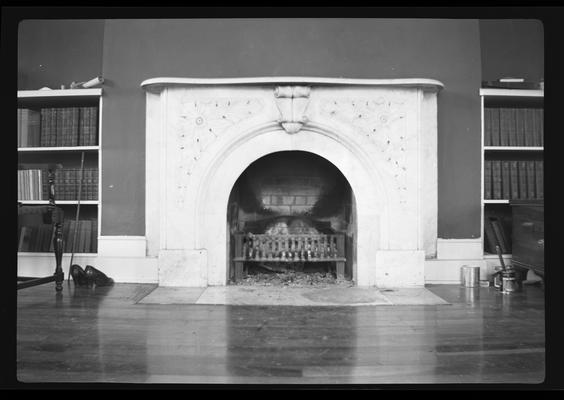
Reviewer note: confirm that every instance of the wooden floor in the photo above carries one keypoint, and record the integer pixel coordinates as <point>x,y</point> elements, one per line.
<point>104,335</point>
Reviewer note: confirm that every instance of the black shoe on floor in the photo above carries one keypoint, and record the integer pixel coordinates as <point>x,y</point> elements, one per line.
<point>97,277</point>
<point>79,275</point>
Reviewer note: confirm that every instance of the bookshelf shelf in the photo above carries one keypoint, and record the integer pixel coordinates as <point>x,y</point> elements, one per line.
<point>513,148</point>
<point>62,127</point>
<point>61,202</point>
<point>61,148</point>
<point>498,201</point>
<point>512,160</point>
<point>59,93</point>
<point>508,93</point>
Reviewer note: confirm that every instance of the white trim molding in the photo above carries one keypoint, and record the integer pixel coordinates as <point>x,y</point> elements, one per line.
<point>120,269</point>
<point>459,249</point>
<point>122,246</point>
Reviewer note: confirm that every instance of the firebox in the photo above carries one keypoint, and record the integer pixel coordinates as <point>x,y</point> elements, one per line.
<point>284,170</point>
<point>291,211</point>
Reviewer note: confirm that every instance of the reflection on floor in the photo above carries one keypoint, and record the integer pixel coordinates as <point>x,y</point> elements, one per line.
<point>110,334</point>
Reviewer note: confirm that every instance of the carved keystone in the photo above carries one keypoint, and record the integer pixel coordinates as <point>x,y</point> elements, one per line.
<point>292,102</point>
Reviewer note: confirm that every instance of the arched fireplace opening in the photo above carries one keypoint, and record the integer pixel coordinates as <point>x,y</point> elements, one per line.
<point>291,214</point>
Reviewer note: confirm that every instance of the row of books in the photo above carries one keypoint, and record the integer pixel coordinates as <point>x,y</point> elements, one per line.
<point>39,238</point>
<point>67,181</point>
<point>58,127</point>
<point>513,126</point>
<point>33,184</point>
<point>511,179</point>
<point>29,127</point>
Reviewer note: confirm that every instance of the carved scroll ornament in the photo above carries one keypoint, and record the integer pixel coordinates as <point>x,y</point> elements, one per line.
<point>292,102</point>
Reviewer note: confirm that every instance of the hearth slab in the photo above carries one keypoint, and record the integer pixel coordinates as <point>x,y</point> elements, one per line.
<point>292,296</point>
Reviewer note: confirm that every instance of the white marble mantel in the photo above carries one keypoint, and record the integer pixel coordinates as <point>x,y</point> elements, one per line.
<point>201,134</point>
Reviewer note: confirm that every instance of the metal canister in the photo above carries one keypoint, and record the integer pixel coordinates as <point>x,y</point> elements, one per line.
<point>510,284</point>
<point>470,276</point>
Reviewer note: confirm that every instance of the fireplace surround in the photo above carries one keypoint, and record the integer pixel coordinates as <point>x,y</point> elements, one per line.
<point>202,134</point>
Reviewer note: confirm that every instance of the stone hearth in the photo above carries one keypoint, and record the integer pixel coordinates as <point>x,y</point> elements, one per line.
<point>201,134</point>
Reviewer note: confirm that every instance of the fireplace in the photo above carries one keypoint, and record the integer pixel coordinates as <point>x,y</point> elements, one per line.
<point>291,211</point>
<point>375,138</point>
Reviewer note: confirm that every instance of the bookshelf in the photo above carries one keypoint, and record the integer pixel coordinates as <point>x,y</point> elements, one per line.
<point>63,127</point>
<point>512,165</point>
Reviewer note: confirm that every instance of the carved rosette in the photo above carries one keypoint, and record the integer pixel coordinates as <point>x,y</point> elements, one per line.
<point>200,123</point>
<point>292,102</point>
<point>380,122</point>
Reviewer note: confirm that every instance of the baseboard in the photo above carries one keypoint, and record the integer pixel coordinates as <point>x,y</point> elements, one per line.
<point>459,249</point>
<point>122,246</point>
<point>120,269</point>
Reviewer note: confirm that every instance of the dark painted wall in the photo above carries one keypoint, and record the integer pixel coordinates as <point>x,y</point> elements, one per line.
<point>53,52</point>
<point>512,48</point>
<point>447,50</point>
<point>130,51</point>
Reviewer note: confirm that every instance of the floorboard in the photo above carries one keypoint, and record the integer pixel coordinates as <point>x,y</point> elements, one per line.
<point>108,334</point>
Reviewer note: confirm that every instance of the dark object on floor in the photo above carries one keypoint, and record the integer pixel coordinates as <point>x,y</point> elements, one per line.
<point>97,277</point>
<point>528,236</point>
<point>79,276</point>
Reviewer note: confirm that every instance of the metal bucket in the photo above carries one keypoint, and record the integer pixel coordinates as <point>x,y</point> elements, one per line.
<point>470,276</point>
<point>510,284</point>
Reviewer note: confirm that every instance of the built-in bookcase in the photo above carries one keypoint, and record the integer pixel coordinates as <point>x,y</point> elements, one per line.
<point>60,127</point>
<point>512,158</point>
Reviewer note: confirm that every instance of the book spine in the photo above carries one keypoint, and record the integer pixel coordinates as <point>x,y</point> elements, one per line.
<point>60,113</point>
<point>531,186</point>
<point>66,235</point>
<point>67,184</point>
<point>44,141</point>
<point>64,136</point>
<point>34,127</point>
<point>24,122</point>
<point>487,179</point>
<point>87,184</point>
<point>514,177</point>
<point>512,128</point>
<point>19,127</point>
<point>53,127</point>
<point>74,127</point>
<point>529,127</point>
<point>95,184</point>
<point>87,236</point>
<point>539,178</point>
<point>541,127</point>
<point>504,123</point>
<point>93,126</point>
<point>496,180</point>
<point>537,126</point>
<point>487,127</point>
<point>83,125</point>
<point>495,117</point>
<point>523,190</point>
<point>519,127</point>
<point>505,179</point>
<point>94,241</point>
